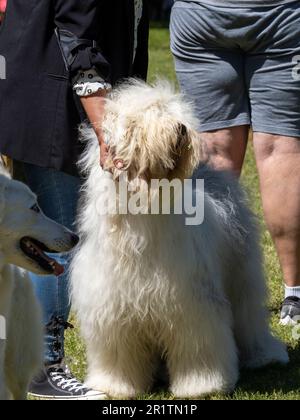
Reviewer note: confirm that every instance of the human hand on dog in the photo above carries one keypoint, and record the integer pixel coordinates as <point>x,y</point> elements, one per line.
<point>94,106</point>
<point>106,153</point>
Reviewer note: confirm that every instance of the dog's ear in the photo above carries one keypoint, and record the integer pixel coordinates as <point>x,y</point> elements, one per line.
<point>181,138</point>
<point>182,130</point>
<point>188,151</point>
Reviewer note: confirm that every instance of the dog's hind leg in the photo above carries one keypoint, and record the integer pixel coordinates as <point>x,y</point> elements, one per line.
<point>18,389</point>
<point>6,289</point>
<point>201,352</point>
<point>122,369</point>
<point>24,341</point>
<point>4,395</point>
<point>257,346</point>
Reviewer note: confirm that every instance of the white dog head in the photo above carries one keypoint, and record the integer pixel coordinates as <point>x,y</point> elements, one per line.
<point>26,233</point>
<point>151,129</point>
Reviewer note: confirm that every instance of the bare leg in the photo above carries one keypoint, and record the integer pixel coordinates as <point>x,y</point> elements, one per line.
<point>278,162</point>
<point>226,148</point>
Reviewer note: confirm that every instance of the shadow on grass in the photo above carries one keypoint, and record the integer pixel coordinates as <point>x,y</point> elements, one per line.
<point>275,379</point>
<point>271,382</point>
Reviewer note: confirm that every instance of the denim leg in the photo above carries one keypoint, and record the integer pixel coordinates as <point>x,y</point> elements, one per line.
<point>57,195</point>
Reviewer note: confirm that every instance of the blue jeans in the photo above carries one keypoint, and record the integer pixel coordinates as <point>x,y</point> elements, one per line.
<point>57,195</point>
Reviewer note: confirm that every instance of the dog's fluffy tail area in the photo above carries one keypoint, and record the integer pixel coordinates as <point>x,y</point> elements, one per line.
<point>273,351</point>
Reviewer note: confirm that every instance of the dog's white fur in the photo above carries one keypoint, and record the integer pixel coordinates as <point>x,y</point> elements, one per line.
<point>147,286</point>
<point>21,351</point>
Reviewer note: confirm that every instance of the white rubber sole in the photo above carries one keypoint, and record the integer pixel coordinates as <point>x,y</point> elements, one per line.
<point>99,397</point>
<point>288,321</point>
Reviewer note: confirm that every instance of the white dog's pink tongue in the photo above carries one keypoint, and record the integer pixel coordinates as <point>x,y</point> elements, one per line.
<point>57,269</point>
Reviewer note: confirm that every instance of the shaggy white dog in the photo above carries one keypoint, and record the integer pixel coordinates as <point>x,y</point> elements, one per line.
<point>25,232</point>
<point>149,286</point>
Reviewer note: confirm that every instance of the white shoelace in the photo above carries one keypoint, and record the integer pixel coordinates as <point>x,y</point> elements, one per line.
<point>64,383</point>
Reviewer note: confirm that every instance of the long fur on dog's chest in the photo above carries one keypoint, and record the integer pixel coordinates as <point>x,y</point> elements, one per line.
<point>150,268</point>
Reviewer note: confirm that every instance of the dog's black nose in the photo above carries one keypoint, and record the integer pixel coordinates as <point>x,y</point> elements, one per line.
<point>74,239</point>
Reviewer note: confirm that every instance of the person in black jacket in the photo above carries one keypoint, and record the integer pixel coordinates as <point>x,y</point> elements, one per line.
<point>61,58</point>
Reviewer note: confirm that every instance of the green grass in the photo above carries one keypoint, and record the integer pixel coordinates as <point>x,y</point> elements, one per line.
<point>160,62</point>
<point>272,383</point>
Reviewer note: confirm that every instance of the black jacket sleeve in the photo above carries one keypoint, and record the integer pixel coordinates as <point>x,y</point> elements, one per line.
<point>78,30</point>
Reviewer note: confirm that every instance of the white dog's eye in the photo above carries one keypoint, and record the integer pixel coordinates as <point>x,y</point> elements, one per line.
<point>35,208</point>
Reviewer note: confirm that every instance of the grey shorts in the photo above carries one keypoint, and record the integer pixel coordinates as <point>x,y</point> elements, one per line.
<point>240,66</point>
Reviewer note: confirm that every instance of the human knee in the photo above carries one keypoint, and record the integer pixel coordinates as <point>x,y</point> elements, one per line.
<point>218,147</point>
<point>271,147</point>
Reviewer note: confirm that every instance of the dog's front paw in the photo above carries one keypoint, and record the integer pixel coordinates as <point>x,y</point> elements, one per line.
<point>112,387</point>
<point>4,394</point>
<point>196,386</point>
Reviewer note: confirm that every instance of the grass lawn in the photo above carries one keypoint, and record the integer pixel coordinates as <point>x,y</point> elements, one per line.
<point>273,383</point>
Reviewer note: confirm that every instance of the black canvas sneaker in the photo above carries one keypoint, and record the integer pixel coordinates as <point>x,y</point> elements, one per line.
<point>290,311</point>
<point>56,382</point>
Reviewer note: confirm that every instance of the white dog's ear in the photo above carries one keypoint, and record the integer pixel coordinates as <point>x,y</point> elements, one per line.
<point>189,151</point>
<point>182,137</point>
<point>196,145</point>
<point>183,130</point>
<point>3,188</point>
